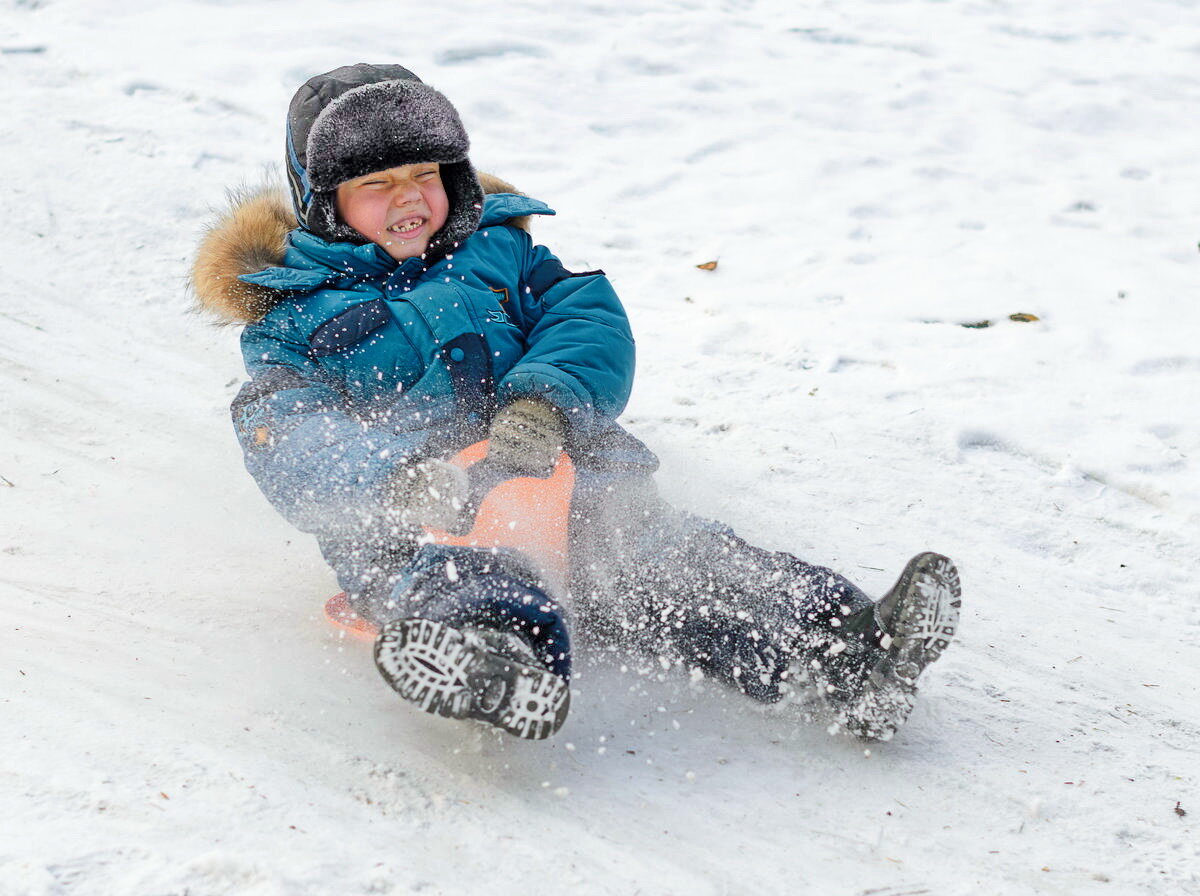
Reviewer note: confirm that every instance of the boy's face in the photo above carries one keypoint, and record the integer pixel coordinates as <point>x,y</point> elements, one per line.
<point>398,209</point>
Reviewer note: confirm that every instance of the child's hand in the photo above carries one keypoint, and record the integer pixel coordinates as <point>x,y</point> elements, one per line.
<point>527,437</point>
<point>430,493</point>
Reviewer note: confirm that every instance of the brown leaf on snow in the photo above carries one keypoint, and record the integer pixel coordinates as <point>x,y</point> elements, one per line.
<point>1023,318</point>
<point>708,266</point>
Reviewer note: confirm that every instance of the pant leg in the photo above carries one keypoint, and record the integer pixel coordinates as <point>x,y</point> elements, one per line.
<point>670,584</point>
<point>475,588</point>
<point>388,574</point>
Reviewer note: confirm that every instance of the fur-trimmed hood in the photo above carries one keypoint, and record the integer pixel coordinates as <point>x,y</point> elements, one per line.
<point>251,236</point>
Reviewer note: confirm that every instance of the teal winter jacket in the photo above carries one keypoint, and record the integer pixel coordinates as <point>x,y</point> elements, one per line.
<point>366,363</point>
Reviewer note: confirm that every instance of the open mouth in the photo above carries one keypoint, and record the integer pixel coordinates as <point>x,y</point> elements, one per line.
<point>407,228</point>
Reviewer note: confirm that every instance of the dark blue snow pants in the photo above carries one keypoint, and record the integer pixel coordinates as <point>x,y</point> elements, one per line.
<point>644,577</point>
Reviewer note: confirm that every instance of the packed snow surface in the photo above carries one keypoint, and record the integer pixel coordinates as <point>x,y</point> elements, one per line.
<point>876,180</point>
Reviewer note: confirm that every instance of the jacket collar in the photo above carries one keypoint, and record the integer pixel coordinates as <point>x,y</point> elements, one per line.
<point>252,255</point>
<point>310,262</point>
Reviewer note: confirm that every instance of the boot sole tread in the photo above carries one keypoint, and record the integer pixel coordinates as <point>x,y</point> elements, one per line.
<point>925,622</point>
<point>447,672</point>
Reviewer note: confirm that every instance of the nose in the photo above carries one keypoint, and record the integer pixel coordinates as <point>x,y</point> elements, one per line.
<point>405,192</point>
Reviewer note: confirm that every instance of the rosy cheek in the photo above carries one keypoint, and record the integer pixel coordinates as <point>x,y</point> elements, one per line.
<point>373,212</point>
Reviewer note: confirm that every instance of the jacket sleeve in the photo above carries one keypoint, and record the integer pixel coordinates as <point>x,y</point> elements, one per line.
<point>321,466</point>
<point>580,350</point>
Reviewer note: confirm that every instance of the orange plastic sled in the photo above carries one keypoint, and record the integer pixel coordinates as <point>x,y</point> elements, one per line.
<point>529,514</point>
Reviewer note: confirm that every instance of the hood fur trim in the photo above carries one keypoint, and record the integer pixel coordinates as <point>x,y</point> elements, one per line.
<point>247,238</point>
<point>251,236</point>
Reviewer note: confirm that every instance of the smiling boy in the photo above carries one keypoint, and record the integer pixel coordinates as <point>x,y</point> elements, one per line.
<point>397,314</point>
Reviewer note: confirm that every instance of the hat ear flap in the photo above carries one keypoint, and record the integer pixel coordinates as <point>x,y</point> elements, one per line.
<point>326,223</point>
<point>466,206</point>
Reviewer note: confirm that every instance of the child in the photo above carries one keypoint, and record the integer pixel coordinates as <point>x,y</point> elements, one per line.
<point>401,315</point>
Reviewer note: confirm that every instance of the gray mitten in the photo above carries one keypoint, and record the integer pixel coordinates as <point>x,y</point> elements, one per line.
<point>526,437</point>
<point>430,493</point>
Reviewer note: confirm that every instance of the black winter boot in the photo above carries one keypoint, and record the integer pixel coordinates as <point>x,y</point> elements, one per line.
<point>479,673</point>
<point>867,675</point>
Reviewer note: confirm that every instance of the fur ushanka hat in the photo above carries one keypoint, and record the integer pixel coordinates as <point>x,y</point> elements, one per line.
<point>363,118</point>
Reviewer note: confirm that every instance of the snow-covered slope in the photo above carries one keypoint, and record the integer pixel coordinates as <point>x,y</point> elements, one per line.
<point>176,718</point>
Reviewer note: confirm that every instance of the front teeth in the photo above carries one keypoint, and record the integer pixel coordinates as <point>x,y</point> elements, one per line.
<point>406,228</point>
